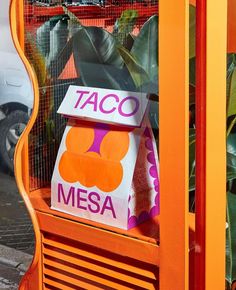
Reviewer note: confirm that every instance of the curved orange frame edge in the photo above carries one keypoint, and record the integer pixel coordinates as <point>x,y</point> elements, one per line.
<point>16,9</point>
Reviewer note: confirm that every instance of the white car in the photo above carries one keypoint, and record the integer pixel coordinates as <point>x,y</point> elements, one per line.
<point>16,95</point>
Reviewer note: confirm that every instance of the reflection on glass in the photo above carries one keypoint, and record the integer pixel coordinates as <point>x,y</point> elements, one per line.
<point>109,52</point>
<point>16,102</point>
<point>16,99</point>
<point>111,47</point>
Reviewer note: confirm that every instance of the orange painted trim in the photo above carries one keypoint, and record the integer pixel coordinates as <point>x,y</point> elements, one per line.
<point>25,165</point>
<point>174,143</point>
<point>215,191</point>
<point>147,231</point>
<point>201,42</point>
<point>14,21</point>
<point>231,26</point>
<point>20,23</point>
<point>125,245</point>
<point>211,144</point>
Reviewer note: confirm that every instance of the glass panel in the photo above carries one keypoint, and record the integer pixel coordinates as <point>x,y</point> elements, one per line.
<point>59,63</point>
<point>16,102</point>
<point>192,106</point>
<point>231,148</point>
<point>110,48</point>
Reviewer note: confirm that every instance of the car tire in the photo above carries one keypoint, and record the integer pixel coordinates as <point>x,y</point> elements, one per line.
<point>10,130</point>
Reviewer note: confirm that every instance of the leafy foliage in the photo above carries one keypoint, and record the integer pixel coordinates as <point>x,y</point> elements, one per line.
<point>98,61</point>
<point>124,26</point>
<point>192,143</point>
<point>123,61</point>
<point>231,238</point>
<point>231,91</point>
<point>192,29</point>
<point>119,60</point>
<point>145,48</point>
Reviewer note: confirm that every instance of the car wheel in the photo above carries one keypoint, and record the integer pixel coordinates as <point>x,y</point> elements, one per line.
<point>10,130</point>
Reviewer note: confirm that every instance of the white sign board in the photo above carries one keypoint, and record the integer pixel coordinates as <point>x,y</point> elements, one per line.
<point>113,106</point>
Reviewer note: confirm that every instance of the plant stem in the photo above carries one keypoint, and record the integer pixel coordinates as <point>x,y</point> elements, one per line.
<point>233,122</point>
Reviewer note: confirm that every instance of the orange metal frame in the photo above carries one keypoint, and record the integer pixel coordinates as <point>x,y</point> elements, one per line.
<point>140,251</point>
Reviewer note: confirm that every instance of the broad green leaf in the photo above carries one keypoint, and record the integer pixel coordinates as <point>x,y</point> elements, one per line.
<point>231,63</point>
<point>192,44</point>
<point>154,113</point>
<point>125,25</point>
<point>231,238</point>
<point>129,41</point>
<point>43,33</point>
<point>61,40</point>
<point>231,166</point>
<point>98,61</point>
<point>58,64</point>
<point>58,40</point>
<point>192,71</point>
<point>231,102</point>
<point>231,156</point>
<point>43,38</point>
<point>231,143</point>
<point>192,99</point>
<point>231,122</point>
<point>192,145</point>
<point>192,31</point>
<point>137,73</point>
<point>145,48</point>
<point>192,182</point>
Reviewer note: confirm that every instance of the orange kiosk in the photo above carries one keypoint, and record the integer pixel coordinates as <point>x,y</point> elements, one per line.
<point>164,253</point>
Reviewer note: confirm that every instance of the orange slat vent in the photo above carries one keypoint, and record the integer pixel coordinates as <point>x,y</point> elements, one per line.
<point>72,265</point>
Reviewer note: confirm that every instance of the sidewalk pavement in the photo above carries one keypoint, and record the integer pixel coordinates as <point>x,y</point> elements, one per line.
<point>16,229</point>
<point>13,265</point>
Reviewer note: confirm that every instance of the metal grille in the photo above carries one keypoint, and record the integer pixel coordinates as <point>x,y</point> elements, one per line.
<point>47,29</point>
<point>70,264</point>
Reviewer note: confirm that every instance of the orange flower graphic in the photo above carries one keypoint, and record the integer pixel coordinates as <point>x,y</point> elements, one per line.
<point>93,156</point>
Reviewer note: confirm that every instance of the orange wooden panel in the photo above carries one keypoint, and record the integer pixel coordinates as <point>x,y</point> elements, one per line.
<point>173,94</point>
<point>50,283</point>
<point>216,143</point>
<point>74,282</point>
<point>231,26</point>
<point>110,241</point>
<point>108,261</point>
<point>106,282</point>
<point>231,40</point>
<point>20,23</point>
<point>147,231</point>
<point>86,261</point>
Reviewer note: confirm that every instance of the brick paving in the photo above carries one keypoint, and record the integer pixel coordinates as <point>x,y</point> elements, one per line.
<point>9,277</point>
<point>15,225</point>
<point>16,232</point>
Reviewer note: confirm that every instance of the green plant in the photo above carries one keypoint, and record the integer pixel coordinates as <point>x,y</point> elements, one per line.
<point>117,60</point>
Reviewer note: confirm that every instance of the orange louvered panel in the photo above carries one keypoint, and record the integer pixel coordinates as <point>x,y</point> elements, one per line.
<point>69,264</point>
